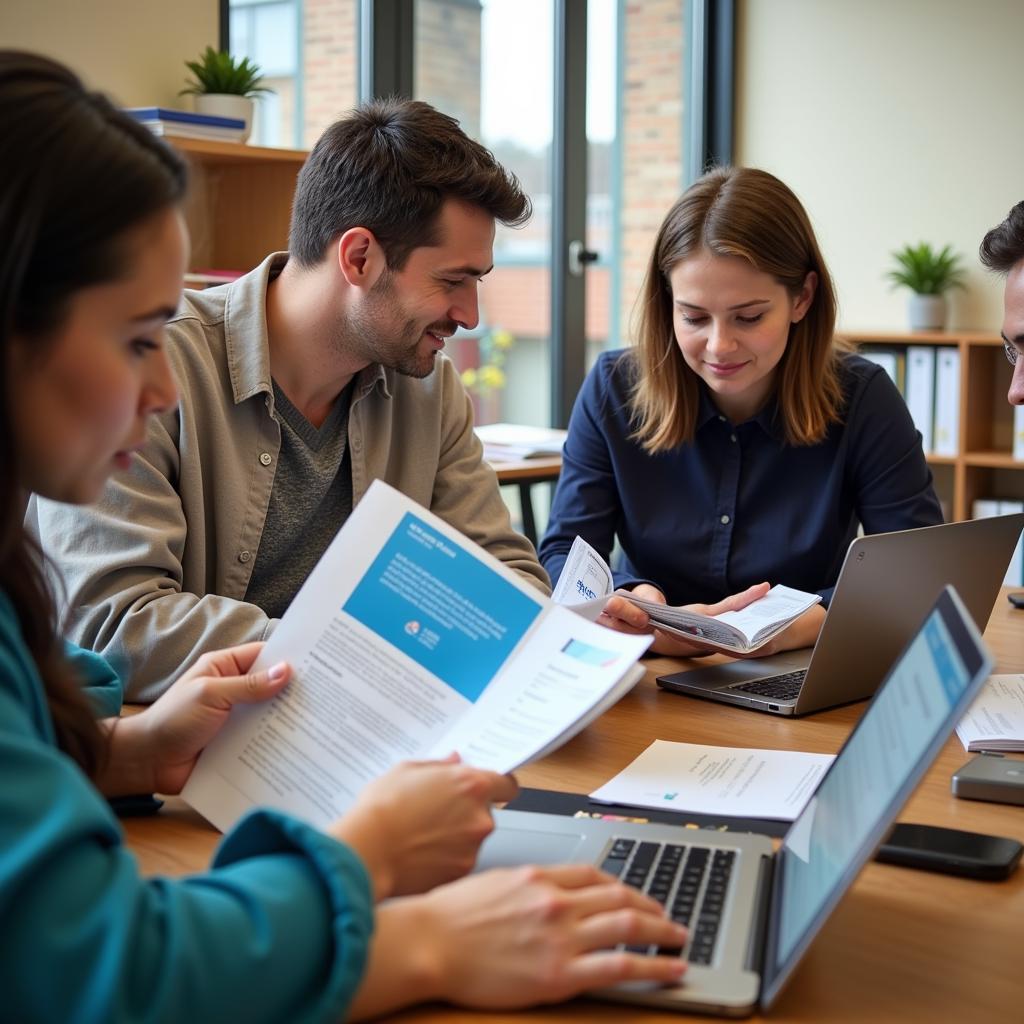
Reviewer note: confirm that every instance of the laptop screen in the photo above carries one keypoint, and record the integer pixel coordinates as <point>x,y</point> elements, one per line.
<point>897,738</point>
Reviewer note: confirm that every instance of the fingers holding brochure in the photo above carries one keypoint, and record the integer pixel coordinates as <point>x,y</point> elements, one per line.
<point>422,823</point>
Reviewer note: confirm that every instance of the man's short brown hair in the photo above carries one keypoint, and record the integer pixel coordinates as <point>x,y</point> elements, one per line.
<point>389,166</point>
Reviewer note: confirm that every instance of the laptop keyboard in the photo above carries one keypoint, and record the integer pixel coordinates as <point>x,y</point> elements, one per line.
<point>784,687</point>
<point>692,882</point>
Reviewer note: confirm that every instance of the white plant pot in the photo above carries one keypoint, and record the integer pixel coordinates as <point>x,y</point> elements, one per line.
<point>927,312</point>
<point>221,104</point>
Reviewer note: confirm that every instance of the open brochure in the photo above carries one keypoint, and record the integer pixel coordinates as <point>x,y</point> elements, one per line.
<point>408,641</point>
<point>586,584</point>
<point>736,781</point>
<point>995,721</point>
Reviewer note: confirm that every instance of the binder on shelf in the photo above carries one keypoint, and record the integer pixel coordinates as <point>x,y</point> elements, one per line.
<point>920,392</point>
<point>1018,432</point>
<point>947,401</point>
<point>985,507</point>
<point>892,360</point>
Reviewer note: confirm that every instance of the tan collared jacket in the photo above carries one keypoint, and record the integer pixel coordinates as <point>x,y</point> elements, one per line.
<point>156,572</point>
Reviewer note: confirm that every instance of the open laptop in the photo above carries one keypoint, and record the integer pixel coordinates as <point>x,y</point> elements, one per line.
<point>887,582</point>
<point>752,914</point>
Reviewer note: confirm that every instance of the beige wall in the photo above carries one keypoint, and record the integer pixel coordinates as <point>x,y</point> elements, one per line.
<point>894,121</point>
<point>133,49</point>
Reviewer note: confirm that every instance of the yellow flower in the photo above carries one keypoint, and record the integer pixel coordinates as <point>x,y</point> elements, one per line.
<point>492,377</point>
<point>469,378</point>
<point>502,339</point>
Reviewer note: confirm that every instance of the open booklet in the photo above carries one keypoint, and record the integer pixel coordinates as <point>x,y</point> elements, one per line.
<point>586,584</point>
<point>408,641</point>
<point>995,721</point>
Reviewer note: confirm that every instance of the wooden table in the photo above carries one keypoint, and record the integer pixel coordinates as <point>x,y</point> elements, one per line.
<point>524,473</point>
<point>903,946</point>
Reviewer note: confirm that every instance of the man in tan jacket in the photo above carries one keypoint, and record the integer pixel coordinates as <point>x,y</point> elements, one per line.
<point>301,383</point>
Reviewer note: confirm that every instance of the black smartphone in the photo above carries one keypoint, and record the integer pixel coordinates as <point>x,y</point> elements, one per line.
<point>1016,599</point>
<point>949,850</point>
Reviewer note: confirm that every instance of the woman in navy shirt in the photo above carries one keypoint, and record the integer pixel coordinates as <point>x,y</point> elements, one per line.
<point>736,443</point>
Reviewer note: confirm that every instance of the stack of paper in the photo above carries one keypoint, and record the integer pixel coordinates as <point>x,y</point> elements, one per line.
<point>508,442</point>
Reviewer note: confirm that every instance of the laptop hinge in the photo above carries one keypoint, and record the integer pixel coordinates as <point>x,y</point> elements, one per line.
<point>759,925</point>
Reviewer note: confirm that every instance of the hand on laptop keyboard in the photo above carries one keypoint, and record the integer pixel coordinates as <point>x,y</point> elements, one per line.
<point>514,937</point>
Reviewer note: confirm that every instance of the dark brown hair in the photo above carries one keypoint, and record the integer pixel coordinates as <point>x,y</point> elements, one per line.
<point>736,211</point>
<point>389,166</point>
<point>77,174</point>
<point>1003,247</point>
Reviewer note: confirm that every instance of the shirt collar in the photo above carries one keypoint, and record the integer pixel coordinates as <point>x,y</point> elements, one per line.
<point>247,340</point>
<point>768,419</point>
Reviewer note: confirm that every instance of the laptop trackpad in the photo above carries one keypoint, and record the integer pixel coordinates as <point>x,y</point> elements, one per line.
<point>744,670</point>
<point>507,847</point>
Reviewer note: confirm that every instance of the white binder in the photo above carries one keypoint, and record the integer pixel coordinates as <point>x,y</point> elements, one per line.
<point>920,392</point>
<point>947,401</point>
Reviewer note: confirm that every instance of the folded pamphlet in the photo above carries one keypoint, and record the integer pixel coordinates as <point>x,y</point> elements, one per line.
<point>408,641</point>
<point>995,721</point>
<point>586,584</point>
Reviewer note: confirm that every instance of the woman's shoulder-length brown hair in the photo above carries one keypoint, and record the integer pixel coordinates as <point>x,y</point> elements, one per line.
<point>736,211</point>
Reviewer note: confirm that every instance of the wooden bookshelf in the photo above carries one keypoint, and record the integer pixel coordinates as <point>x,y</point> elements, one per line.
<point>240,201</point>
<point>984,466</point>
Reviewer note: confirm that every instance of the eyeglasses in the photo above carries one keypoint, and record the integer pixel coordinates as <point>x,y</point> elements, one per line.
<point>1012,352</point>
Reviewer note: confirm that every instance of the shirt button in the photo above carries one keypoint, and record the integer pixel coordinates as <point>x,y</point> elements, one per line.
<point>266,458</point>
<point>732,437</point>
<point>724,520</point>
<point>244,556</point>
<point>721,419</point>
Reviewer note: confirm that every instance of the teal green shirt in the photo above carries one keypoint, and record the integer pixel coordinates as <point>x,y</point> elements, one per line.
<point>277,930</point>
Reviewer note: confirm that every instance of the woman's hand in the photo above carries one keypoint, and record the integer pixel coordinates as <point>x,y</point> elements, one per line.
<point>156,750</point>
<point>621,614</point>
<point>422,823</point>
<point>515,937</point>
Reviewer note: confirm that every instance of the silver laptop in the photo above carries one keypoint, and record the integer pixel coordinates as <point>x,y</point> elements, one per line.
<point>886,584</point>
<point>752,914</point>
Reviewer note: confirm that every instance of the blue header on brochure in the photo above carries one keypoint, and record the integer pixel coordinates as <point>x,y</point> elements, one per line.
<point>441,606</point>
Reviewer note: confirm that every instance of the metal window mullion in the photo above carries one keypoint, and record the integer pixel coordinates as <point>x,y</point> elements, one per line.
<point>568,205</point>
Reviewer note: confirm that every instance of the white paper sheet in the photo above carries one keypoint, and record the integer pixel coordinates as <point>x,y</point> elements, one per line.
<point>734,781</point>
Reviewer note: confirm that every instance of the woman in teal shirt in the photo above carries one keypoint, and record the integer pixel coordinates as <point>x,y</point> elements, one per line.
<point>282,927</point>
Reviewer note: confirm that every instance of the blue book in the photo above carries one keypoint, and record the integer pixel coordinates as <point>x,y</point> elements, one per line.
<point>184,117</point>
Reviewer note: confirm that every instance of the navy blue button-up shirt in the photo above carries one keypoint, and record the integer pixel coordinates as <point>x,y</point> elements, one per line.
<point>737,505</point>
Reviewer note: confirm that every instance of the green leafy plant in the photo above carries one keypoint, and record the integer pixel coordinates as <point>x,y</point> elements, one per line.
<point>217,71</point>
<point>926,271</point>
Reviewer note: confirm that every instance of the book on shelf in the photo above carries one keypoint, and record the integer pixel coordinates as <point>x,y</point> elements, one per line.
<point>995,721</point>
<point>187,125</point>
<point>586,584</point>
<point>408,641</point>
<point>506,442</point>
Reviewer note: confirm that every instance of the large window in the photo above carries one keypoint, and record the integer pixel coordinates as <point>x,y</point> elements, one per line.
<point>492,64</point>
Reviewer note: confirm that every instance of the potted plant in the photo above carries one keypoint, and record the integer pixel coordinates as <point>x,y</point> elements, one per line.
<point>929,274</point>
<point>224,85</point>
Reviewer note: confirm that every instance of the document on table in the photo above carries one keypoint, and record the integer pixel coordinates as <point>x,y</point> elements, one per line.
<point>738,781</point>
